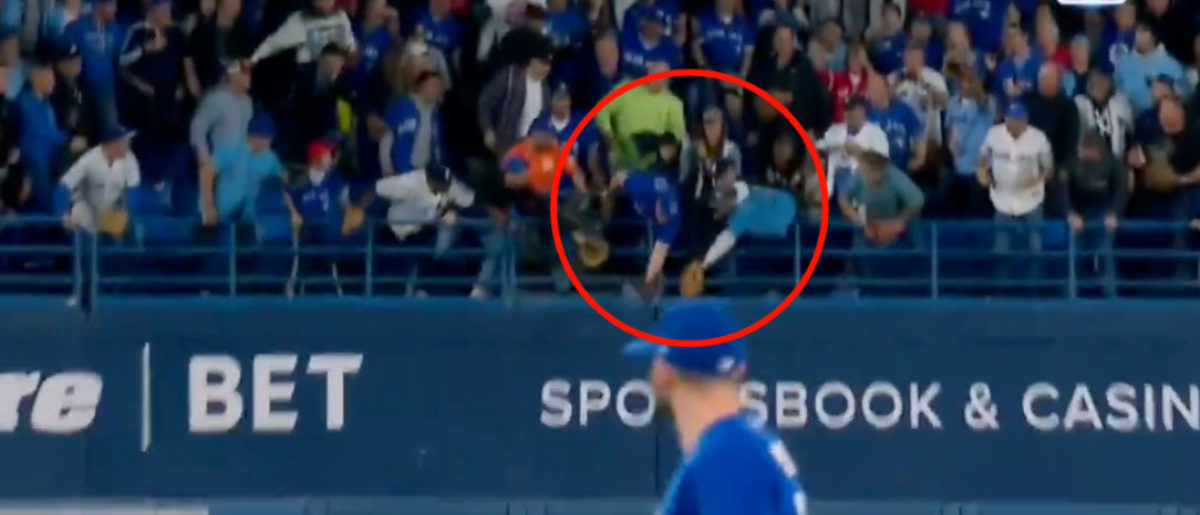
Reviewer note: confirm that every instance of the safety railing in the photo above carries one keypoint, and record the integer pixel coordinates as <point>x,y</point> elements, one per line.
<point>932,259</point>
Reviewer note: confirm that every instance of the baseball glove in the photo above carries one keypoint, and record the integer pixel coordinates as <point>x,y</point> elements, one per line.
<point>593,252</point>
<point>114,223</point>
<point>691,282</point>
<point>353,220</point>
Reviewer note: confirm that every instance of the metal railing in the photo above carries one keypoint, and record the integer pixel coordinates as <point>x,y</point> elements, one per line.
<point>933,259</point>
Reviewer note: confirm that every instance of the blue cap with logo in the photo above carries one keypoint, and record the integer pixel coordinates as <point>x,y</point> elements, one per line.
<point>695,321</point>
<point>657,15</point>
<point>1017,110</point>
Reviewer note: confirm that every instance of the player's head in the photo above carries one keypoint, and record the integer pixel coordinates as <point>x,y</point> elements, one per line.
<point>678,370</point>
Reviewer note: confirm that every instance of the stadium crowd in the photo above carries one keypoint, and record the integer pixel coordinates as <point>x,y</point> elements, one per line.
<point>303,119</point>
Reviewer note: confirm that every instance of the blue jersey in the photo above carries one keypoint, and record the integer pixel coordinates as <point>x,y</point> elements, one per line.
<point>641,10</point>
<point>902,126</point>
<point>725,41</point>
<point>985,20</point>
<point>737,467</point>
<point>446,34</point>
<point>635,53</point>
<point>1021,74</point>
<point>320,202</point>
<point>653,194</point>
<point>567,28</point>
<point>888,53</point>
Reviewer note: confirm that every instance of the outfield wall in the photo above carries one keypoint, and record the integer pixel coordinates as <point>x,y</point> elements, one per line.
<point>996,401</point>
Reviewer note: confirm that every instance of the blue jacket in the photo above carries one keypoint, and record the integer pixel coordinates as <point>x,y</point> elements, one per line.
<point>41,141</point>
<point>403,119</point>
<point>100,46</point>
<point>1135,70</point>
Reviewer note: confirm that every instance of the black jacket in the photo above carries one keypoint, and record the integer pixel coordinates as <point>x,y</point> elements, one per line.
<point>1058,117</point>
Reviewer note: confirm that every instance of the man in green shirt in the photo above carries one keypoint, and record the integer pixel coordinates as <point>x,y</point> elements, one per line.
<point>634,122</point>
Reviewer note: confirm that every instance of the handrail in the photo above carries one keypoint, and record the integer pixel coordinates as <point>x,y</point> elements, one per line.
<point>934,259</point>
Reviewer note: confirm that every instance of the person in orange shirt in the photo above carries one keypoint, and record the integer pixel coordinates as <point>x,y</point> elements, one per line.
<point>530,165</point>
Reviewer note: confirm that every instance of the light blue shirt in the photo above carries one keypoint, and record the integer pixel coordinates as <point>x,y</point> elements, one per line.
<point>968,123</point>
<point>240,173</point>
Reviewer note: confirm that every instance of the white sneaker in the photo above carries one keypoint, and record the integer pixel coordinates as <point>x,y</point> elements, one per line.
<point>478,293</point>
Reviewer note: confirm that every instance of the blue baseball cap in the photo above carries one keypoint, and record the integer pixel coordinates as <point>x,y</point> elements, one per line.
<point>1168,80</point>
<point>261,126</point>
<point>695,321</point>
<point>113,132</point>
<point>657,15</point>
<point>1017,110</point>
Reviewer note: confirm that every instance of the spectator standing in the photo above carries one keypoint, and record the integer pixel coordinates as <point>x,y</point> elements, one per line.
<point>213,45</point>
<point>1175,21</point>
<point>98,183</point>
<point>42,139</point>
<point>325,93</point>
<point>699,175</point>
<point>667,11</point>
<point>831,44</point>
<point>790,172</point>
<point>1120,41</point>
<point>969,117</point>
<point>984,19</point>
<point>904,128</point>
<point>921,34</point>
<point>73,107</point>
<point>438,27</point>
<point>924,90</point>
<point>1018,72</point>
<point>960,57</point>
<point>10,57</point>
<point>650,43</point>
<point>635,122</point>
<point>1094,192</point>
<point>1055,115</point>
<point>723,40</point>
<point>1075,74</point>
<point>54,22</point>
<point>1049,44</point>
<point>223,113</point>
<point>230,182</point>
<point>512,100</point>
<point>414,138</point>
<point>888,44</point>
<point>791,74</point>
<point>603,73</point>
<point>843,86</point>
<point>318,201</point>
<point>1014,164</point>
<point>99,38</point>
<point>563,120</point>
<point>881,201</point>
<point>151,63</point>
<point>1106,113</point>
<point>786,13</point>
<point>1149,60</point>
<point>842,142</point>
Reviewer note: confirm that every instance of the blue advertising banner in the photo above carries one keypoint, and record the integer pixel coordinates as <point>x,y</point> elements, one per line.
<point>950,401</point>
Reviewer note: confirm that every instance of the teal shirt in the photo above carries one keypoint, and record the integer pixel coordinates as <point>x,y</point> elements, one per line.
<point>896,195</point>
<point>239,177</point>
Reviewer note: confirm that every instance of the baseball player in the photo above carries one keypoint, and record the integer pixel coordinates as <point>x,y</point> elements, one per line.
<point>753,210</point>
<point>731,464</point>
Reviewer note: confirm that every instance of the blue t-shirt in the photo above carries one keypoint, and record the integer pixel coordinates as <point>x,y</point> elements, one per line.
<point>1023,74</point>
<point>984,19</point>
<point>587,137</point>
<point>567,28</point>
<point>99,46</point>
<point>888,53</point>
<point>319,202</point>
<point>635,53</point>
<point>902,126</point>
<point>725,42</point>
<point>373,45</point>
<point>446,34</point>
<point>240,174</point>
<point>737,467</point>
<point>632,21</point>
<point>969,123</point>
